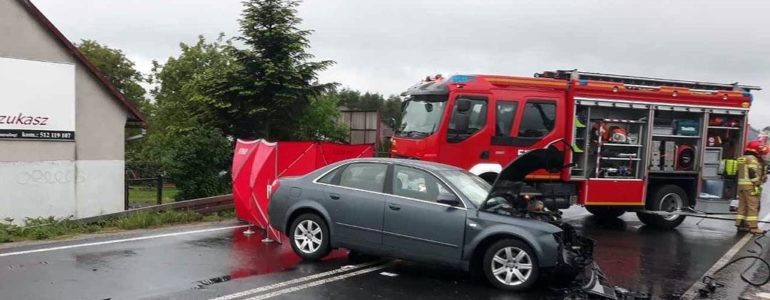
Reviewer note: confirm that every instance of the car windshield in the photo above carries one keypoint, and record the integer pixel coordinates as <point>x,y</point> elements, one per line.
<point>471,186</point>
<point>421,115</point>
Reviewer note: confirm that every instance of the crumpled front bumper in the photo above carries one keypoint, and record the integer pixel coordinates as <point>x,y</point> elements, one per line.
<point>577,264</point>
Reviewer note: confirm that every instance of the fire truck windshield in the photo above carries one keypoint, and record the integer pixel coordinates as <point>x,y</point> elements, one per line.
<point>421,116</point>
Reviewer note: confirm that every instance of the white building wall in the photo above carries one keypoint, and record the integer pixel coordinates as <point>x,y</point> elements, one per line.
<point>53,178</point>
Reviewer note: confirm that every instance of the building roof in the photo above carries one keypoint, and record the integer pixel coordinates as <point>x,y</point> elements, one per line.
<point>136,117</point>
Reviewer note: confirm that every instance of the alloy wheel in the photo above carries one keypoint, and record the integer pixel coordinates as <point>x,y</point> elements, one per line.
<point>308,236</point>
<point>511,266</point>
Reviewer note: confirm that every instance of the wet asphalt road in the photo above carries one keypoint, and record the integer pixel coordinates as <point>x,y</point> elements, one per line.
<point>219,260</point>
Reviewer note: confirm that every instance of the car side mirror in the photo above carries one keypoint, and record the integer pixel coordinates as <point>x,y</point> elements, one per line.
<point>448,199</point>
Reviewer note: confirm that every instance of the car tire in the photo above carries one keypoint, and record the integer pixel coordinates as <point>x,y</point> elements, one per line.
<point>515,264</point>
<point>605,212</point>
<point>309,237</point>
<point>665,198</point>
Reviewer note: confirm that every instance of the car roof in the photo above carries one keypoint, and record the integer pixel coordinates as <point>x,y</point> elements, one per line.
<point>432,166</point>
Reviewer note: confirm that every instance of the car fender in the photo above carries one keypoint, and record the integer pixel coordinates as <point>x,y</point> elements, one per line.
<point>307,204</point>
<point>542,243</point>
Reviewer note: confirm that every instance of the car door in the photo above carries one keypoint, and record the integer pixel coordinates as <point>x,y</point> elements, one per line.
<point>357,202</point>
<point>415,225</point>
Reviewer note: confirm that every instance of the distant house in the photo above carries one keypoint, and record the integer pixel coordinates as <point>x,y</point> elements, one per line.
<point>365,127</point>
<point>62,123</point>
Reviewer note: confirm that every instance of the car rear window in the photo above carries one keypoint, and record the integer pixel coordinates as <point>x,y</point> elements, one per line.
<point>329,177</point>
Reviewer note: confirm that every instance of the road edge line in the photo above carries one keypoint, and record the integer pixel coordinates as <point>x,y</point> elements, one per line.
<point>691,293</point>
<point>139,238</point>
<point>297,280</point>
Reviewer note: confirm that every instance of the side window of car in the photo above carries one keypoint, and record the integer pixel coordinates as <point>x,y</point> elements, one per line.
<point>364,176</point>
<point>330,177</point>
<point>538,119</point>
<point>416,184</point>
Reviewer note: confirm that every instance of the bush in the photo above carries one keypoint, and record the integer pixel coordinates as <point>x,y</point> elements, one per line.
<point>198,163</point>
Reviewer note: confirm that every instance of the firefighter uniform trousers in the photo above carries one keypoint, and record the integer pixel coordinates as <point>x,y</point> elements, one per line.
<point>749,191</point>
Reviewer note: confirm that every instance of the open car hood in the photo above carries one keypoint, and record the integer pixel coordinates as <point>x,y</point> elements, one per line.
<point>550,159</point>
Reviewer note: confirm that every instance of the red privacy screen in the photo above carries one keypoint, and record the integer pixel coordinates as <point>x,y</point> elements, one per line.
<point>257,163</point>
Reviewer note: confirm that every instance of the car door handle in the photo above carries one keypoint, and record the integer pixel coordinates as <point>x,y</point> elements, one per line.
<point>334,196</point>
<point>394,207</point>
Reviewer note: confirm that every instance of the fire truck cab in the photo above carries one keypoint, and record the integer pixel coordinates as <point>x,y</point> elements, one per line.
<point>629,143</point>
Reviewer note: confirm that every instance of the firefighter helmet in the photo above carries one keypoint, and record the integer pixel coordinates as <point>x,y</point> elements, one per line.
<point>757,147</point>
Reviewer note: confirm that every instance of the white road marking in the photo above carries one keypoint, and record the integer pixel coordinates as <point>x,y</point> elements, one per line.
<point>320,282</point>
<point>140,238</point>
<point>389,274</point>
<point>692,292</point>
<point>295,281</point>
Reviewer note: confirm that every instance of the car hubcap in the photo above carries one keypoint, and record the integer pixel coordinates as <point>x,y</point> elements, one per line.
<point>511,266</point>
<point>671,202</point>
<point>308,236</point>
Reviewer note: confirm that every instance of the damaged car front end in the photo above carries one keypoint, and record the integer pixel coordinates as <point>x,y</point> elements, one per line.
<point>511,195</point>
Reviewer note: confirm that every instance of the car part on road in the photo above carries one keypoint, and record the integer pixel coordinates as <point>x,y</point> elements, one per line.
<point>710,284</point>
<point>310,237</point>
<point>666,198</point>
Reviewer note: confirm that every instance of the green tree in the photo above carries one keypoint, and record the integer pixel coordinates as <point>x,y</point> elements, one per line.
<point>120,70</point>
<point>353,99</point>
<point>267,92</point>
<point>180,101</point>
<point>198,161</point>
<point>320,121</point>
<point>356,100</point>
<point>391,108</point>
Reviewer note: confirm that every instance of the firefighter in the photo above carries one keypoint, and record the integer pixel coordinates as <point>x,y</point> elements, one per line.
<point>751,175</point>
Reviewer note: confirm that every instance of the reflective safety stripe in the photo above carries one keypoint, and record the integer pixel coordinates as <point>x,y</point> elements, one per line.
<point>753,218</point>
<point>740,217</point>
<point>745,182</point>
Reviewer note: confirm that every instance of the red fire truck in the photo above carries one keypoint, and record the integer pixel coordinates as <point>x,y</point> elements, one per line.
<point>628,143</point>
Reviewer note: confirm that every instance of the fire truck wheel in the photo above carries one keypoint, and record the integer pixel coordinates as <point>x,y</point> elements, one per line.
<point>605,212</point>
<point>665,198</point>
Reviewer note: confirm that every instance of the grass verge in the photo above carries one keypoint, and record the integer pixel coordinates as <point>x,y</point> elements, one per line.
<point>141,196</point>
<point>50,227</point>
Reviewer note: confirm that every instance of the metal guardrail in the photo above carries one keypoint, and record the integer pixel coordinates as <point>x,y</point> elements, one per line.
<point>201,205</point>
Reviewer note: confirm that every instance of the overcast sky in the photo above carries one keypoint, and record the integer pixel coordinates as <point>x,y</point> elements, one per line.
<point>386,46</point>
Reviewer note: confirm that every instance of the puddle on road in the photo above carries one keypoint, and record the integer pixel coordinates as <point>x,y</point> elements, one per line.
<point>251,257</point>
<point>94,260</point>
<point>214,242</point>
